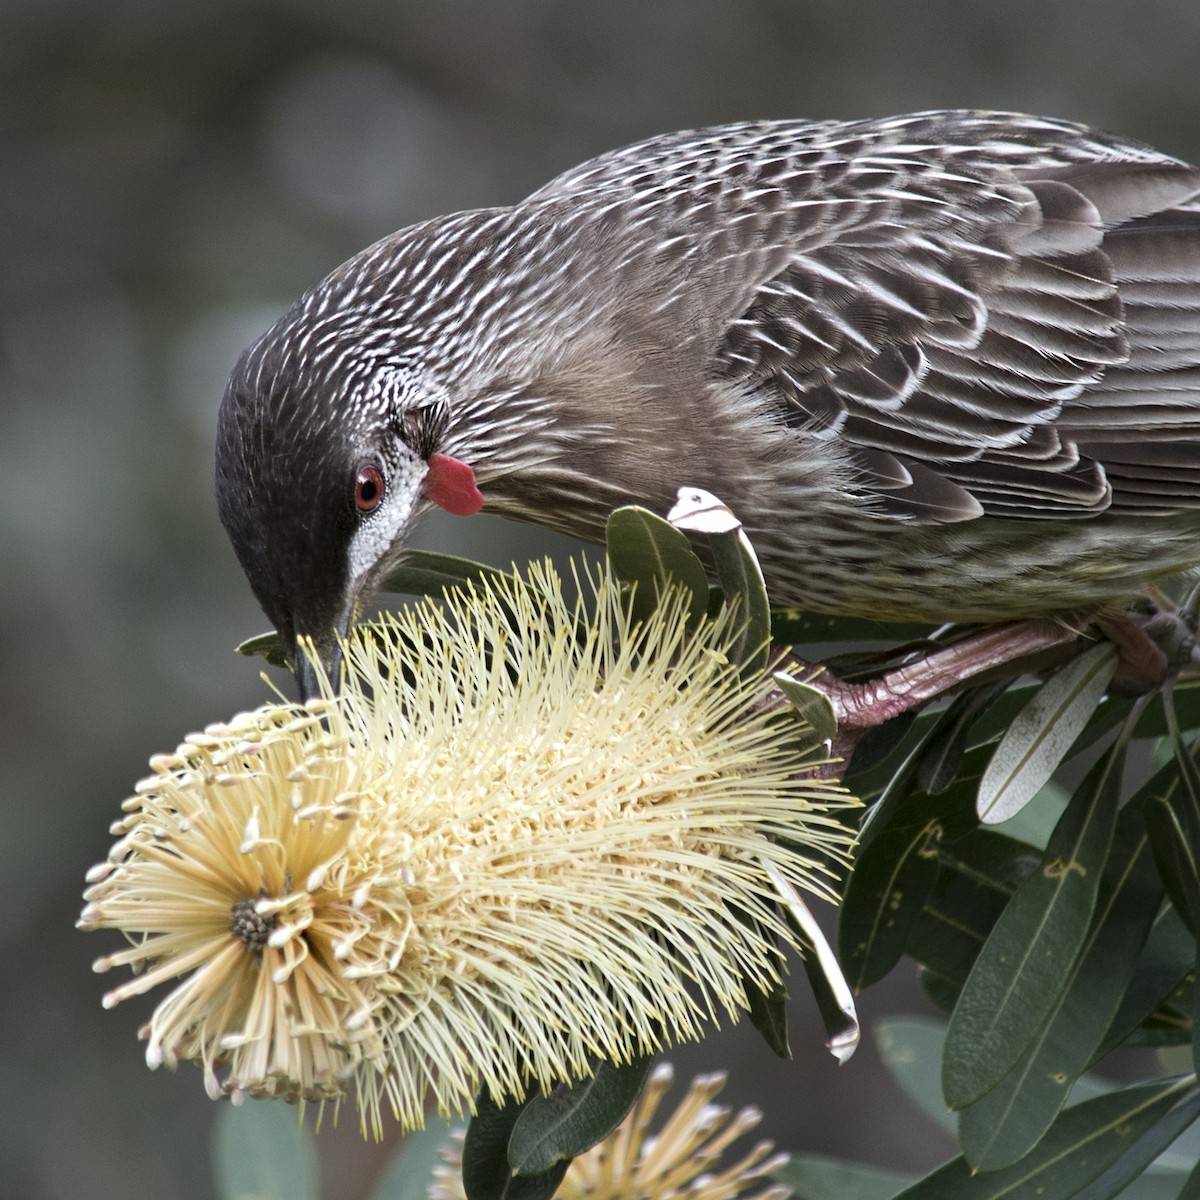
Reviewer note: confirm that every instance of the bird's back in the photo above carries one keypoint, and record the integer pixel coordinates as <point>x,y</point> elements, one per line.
<point>944,365</point>
<point>999,314</point>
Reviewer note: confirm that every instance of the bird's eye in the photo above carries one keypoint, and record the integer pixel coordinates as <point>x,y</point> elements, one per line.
<point>368,488</point>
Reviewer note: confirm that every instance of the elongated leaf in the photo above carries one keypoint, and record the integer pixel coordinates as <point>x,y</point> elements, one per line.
<point>891,880</point>
<point>1083,1143</point>
<point>262,1152</point>
<point>269,646</point>
<point>979,875</point>
<point>1043,732</point>
<point>571,1119</point>
<point>485,1169</point>
<point>812,704</point>
<point>767,1009</point>
<point>1181,1156</point>
<point>651,554</point>
<point>911,1049</point>
<point>1191,1186</point>
<point>994,720</point>
<point>870,765</point>
<point>1174,824</point>
<point>1182,876</point>
<point>1036,821</point>
<point>1022,969</point>
<point>486,1173</point>
<point>992,723</point>
<point>429,573</point>
<point>796,626</point>
<point>1178,857</point>
<point>1165,960</point>
<point>1185,700</point>
<point>944,755</point>
<point>1005,1124</point>
<point>737,568</point>
<point>812,1177</point>
<point>1189,773</point>
<point>741,578</point>
<point>901,779</point>
<point>768,1015</point>
<point>1142,1153</point>
<point>1168,952</point>
<point>885,896</point>
<point>835,1002</point>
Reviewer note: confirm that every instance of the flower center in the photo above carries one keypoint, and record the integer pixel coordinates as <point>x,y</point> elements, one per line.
<point>249,926</point>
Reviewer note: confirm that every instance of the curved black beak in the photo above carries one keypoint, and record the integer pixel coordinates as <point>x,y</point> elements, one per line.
<point>317,655</point>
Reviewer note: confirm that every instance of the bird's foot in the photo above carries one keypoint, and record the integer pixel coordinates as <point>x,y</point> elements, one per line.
<point>1157,639</point>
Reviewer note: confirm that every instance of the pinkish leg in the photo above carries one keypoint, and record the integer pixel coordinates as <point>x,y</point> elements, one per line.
<point>1015,647</point>
<point>1155,641</point>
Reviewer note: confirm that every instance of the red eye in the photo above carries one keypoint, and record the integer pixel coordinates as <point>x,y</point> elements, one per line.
<point>368,488</point>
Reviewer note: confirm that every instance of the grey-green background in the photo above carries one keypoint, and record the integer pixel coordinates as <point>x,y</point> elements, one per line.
<point>172,174</point>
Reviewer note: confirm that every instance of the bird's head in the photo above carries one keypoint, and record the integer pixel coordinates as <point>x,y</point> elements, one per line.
<point>325,454</point>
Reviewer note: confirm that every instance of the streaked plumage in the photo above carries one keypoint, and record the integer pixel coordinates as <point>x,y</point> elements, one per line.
<point>943,366</point>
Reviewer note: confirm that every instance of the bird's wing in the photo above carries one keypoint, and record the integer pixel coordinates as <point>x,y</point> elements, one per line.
<point>997,314</point>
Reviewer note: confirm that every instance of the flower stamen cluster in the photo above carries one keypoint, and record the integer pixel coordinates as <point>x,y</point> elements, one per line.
<point>524,836</point>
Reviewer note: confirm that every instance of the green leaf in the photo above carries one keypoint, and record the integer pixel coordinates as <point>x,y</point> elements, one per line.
<point>835,1001</point>
<point>573,1118</point>
<point>1042,733</point>
<point>410,1172</point>
<point>652,555</point>
<point>269,646</point>
<point>1005,1124</point>
<point>795,626</point>
<point>1191,1187</point>
<point>1164,962</point>
<point>766,1007</point>
<point>814,1177</point>
<point>812,704</point>
<point>737,568</point>
<point>869,765</point>
<point>901,779</point>
<point>1178,857</point>
<point>768,1015</point>
<point>1024,965</point>
<point>486,1174</point>
<point>979,875</point>
<point>741,579</point>
<point>1083,1143</point>
<point>942,991</point>
<point>1173,820</point>
<point>1195,1015</point>
<point>892,878</point>
<point>428,573</point>
<point>992,723</point>
<point>943,758</point>
<point>911,1049</point>
<point>262,1152</point>
<point>1036,821</point>
<point>1142,1154</point>
<point>1185,701</point>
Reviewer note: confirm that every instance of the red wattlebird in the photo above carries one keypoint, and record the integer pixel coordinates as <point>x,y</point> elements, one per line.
<point>942,366</point>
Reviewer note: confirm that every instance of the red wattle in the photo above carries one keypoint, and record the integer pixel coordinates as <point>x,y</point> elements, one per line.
<point>451,485</point>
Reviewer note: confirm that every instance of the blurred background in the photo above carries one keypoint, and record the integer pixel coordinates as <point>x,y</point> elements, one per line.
<point>172,175</point>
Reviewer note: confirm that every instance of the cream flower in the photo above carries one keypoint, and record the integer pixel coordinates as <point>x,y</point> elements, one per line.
<point>522,839</point>
<point>681,1158</point>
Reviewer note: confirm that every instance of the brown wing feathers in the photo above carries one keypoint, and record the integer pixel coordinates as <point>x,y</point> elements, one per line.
<point>1019,338</point>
